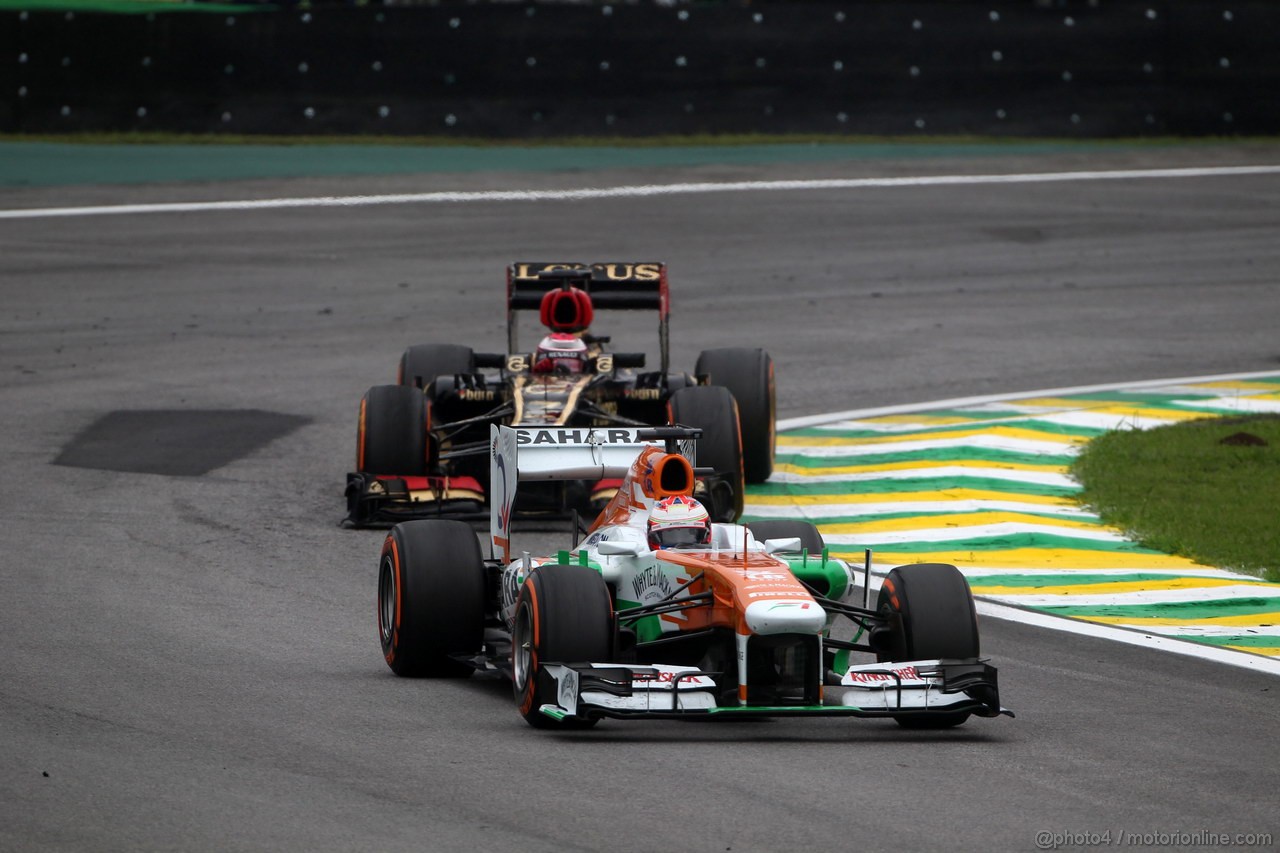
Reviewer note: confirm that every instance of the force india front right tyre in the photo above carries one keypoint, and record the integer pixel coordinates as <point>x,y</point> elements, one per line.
<point>938,620</point>
<point>564,614</point>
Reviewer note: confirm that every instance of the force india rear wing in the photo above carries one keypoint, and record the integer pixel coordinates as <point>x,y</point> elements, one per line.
<point>614,285</point>
<point>564,453</point>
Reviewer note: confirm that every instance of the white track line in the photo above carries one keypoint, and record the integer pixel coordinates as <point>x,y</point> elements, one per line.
<point>968,402</point>
<point>1130,636</point>
<point>634,191</point>
<point>988,607</point>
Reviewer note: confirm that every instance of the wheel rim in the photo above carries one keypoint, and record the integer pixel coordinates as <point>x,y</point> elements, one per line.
<point>522,646</point>
<point>386,600</point>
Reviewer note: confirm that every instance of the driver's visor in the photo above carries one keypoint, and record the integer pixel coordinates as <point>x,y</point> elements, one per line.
<point>673,537</point>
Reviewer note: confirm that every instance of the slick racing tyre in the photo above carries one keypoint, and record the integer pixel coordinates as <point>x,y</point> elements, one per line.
<point>713,410</point>
<point>786,528</point>
<point>392,437</point>
<point>421,364</point>
<point>938,621</point>
<point>748,374</point>
<point>431,598</point>
<point>563,615</point>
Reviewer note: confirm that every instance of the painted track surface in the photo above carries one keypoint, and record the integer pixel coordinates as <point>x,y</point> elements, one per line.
<point>193,661</point>
<point>985,485</point>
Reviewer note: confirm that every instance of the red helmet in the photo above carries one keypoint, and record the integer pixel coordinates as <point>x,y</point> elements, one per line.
<point>679,521</point>
<point>560,353</point>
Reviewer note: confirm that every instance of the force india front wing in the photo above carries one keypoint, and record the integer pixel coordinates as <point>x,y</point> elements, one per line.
<point>917,688</point>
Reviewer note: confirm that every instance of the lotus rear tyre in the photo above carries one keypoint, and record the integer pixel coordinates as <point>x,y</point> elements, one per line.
<point>748,374</point>
<point>712,409</point>
<point>420,365</point>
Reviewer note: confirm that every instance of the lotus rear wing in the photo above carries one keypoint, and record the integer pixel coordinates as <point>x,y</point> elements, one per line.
<point>621,285</point>
<point>564,453</point>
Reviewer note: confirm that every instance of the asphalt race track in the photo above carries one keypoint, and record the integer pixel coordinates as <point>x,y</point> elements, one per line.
<point>188,652</point>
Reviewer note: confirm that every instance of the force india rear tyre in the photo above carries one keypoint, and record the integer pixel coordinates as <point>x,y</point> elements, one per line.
<point>938,621</point>
<point>711,408</point>
<point>392,434</point>
<point>748,374</point>
<point>431,598</point>
<point>563,615</point>
<point>425,362</point>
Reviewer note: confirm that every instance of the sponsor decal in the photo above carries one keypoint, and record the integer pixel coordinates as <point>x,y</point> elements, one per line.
<point>661,677</point>
<point>684,679</point>
<point>651,584</point>
<point>527,437</point>
<point>504,516</point>
<point>511,580</point>
<point>605,272</point>
<point>906,673</point>
<point>641,393</point>
<point>766,575</point>
<point>517,363</point>
<point>567,692</point>
<point>778,594</point>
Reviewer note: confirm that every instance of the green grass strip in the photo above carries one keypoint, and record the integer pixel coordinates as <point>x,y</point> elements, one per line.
<point>1172,610</point>
<point>870,518</point>
<point>1138,398</point>
<point>125,158</point>
<point>1066,579</point>
<point>929,454</point>
<point>1206,489</point>
<point>1032,424</point>
<point>1014,541</point>
<point>912,484</point>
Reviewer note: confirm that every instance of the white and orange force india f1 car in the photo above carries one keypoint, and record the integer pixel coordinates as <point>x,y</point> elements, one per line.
<point>741,624</point>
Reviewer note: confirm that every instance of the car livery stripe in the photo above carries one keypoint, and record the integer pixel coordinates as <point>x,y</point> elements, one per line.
<point>984,484</point>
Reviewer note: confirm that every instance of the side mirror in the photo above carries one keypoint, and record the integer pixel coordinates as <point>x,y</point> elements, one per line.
<point>611,548</point>
<point>773,546</point>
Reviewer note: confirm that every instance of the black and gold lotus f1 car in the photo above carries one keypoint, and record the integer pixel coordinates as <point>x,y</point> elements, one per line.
<point>422,444</point>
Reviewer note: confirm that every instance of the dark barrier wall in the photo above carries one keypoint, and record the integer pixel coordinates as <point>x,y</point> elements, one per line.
<point>1005,67</point>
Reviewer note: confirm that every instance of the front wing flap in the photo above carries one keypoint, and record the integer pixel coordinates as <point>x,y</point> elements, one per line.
<point>915,688</point>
